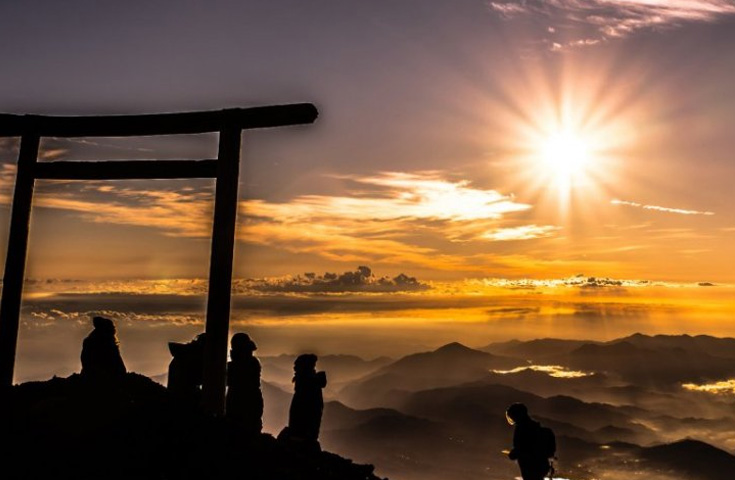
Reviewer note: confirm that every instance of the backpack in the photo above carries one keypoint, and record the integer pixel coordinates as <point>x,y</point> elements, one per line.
<point>546,442</point>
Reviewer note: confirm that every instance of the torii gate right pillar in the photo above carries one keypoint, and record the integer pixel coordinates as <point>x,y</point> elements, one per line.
<point>220,270</point>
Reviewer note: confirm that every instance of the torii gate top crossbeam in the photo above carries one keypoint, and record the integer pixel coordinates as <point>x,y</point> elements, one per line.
<point>157,124</point>
<point>224,169</point>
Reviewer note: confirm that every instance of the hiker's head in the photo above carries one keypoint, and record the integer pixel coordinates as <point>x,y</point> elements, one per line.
<point>305,363</point>
<point>516,413</point>
<point>242,346</point>
<point>104,325</point>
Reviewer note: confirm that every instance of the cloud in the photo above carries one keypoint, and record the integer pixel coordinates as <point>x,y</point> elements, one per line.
<point>176,213</point>
<point>393,218</point>
<point>49,149</point>
<point>380,219</point>
<point>7,180</point>
<point>724,387</point>
<point>525,232</point>
<point>360,280</point>
<point>657,208</point>
<point>191,290</point>
<point>39,318</point>
<point>423,195</point>
<point>556,371</point>
<point>509,9</point>
<point>595,21</point>
<point>578,281</point>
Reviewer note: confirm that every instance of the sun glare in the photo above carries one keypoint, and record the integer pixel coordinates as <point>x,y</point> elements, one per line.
<point>567,137</point>
<point>565,155</point>
<point>566,159</point>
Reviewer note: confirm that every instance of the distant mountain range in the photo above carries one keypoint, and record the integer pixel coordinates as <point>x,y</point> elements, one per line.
<point>451,364</point>
<point>641,359</point>
<point>340,368</point>
<point>624,397</point>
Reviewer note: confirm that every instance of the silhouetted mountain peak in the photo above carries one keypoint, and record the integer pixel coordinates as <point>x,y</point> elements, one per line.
<point>692,458</point>
<point>634,337</point>
<point>455,348</point>
<point>455,352</point>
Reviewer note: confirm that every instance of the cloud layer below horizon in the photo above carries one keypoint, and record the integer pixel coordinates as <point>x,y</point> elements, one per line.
<point>357,313</point>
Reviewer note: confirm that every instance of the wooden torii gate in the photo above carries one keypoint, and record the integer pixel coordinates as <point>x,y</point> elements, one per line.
<point>224,169</point>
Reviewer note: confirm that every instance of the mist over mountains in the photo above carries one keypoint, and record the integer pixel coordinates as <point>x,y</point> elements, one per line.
<point>640,405</point>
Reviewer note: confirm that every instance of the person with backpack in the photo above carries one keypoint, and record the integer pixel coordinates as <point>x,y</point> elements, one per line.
<point>533,445</point>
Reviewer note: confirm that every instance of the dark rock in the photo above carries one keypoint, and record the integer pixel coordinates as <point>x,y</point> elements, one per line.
<point>67,428</point>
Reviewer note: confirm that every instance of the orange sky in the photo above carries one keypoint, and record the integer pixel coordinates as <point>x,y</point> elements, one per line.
<point>457,142</point>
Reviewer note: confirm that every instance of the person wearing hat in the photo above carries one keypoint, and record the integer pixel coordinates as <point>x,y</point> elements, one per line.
<point>244,403</point>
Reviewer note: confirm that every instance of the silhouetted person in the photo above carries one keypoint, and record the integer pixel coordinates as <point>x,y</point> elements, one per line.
<point>186,370</point>
<point>532,446</point>
<point>101,359</point>
<point>244,398</point>
<point>305,414</point>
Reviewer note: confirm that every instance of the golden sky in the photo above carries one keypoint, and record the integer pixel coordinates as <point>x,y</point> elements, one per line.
<point>457,142</point>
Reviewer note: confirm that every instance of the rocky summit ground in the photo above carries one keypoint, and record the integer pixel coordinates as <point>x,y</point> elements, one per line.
<point>66,428</point>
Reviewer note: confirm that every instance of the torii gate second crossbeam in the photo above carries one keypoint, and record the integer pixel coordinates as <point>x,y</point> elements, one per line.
<point>224,169</point>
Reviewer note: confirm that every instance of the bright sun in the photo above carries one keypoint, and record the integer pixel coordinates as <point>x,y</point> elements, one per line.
<point>565,156</point>
<point>566,162</point>
<point>566,142</point>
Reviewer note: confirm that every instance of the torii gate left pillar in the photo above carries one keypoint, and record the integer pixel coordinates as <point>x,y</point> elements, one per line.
<point>224,169</point>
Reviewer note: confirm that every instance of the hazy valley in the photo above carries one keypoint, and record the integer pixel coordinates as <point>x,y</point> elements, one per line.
<point>640,405</point>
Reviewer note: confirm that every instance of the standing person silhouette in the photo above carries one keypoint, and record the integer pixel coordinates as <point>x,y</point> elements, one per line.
<point>244,398</point>
<point>530,441</point>
<point>305,414</point>
<point>101,359</point>
<point>186,371</point>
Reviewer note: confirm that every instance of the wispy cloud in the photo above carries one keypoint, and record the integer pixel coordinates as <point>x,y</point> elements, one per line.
<point>423,195</point>
<point>576,281</point>
<point>658,208</point>
<point>725,387</point>
<point>556,371</point>
<point>524,232</point>
<point>380,219</point>
<point>7,180</point>
<point>181,213</point>
<point>600,20</point>
<point>392,218</point>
